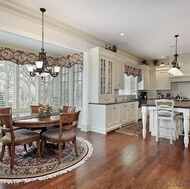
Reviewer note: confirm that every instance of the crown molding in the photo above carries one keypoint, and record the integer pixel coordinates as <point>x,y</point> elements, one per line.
<point>35,16</point>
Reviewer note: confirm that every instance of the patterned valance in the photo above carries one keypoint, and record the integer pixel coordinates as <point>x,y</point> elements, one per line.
<point>129,70</point>
<point>24,57</point>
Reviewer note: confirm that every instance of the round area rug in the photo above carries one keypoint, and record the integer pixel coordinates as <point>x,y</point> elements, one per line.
<point>31,168</point>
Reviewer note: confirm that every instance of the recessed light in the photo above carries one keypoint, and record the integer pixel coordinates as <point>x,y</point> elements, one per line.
<point>122,34</point>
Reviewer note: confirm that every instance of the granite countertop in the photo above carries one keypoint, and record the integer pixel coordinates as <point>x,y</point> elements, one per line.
<point>110,103</point>
<point>178,103</point>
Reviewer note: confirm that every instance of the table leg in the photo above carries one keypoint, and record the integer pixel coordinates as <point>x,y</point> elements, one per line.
<point>144,120</point>
<point>186,128</point>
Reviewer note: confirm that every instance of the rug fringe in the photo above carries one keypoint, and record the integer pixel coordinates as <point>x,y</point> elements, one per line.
<point>52,175</point>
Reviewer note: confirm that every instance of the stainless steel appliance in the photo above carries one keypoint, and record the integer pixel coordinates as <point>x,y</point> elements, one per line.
<point>142,98</point>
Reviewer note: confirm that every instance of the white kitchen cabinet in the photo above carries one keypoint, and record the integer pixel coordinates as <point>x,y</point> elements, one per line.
<point>124,111</point>
<point>108,117</point>
<point>104,118</point>
<point>133,111</point>
<point>162,79</point>
<point>128,112</point>
<point>112,115</point>
<point>101,75</point>
<point>139,113</point>
<point>119,74</point>
<point>152,77</point>
<point>144,84</point>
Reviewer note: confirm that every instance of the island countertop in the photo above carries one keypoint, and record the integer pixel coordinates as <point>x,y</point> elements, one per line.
<point>178,103</point>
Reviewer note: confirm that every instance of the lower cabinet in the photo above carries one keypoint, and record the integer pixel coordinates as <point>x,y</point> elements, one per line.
<point>105,118</point>
<point>112,116</point>
<point>133,112</point>
<point>124,112</point>
<point>129,112</point>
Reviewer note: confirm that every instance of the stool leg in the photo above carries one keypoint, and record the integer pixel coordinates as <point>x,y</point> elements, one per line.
<point>157,130</point>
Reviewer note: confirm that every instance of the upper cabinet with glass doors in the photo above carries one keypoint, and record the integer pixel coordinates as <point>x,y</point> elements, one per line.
<point>101,75</point>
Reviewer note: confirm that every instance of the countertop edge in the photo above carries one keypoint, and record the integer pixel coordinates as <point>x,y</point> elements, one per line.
<point>111,103</point>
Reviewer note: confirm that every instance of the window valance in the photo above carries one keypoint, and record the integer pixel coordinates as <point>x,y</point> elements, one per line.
<point>130,70</point>
<point>24,57</point>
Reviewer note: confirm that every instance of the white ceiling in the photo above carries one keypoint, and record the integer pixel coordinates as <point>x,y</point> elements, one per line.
<point>149,26</point>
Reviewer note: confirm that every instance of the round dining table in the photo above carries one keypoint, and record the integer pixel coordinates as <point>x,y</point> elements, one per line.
<point>36,122</point>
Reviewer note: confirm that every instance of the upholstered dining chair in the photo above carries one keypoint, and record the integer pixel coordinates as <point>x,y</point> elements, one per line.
<point>12,138</point>
<point>165,112</point>
<point>66,109</point>
<point>63,134</point>
<point>8,110</point>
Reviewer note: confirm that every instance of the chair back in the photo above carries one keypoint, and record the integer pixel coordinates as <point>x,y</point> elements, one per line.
<point>34,108</point>
<point>165,109</point>
<point>6,124</point>
<point>7,110</point>
<point>69,109</point>
<point>69,121</point>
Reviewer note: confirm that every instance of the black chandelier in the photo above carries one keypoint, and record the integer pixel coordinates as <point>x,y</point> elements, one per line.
<point>175,68</point>
<point>41,65</point>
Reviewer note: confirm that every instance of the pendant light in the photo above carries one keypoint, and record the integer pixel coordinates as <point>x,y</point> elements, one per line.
<point>175,69</point>
<point>41,65</point>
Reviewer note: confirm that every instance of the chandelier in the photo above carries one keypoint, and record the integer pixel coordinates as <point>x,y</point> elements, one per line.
<point>175,68</point>
<point>41,65</point>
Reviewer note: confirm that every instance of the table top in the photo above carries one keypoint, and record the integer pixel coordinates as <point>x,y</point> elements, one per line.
<point>33,121</point>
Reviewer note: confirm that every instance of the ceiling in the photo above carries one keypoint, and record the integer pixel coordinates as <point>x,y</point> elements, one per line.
<point>149,26</point>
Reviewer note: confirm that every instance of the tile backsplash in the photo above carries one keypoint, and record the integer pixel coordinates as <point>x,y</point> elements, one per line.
<point>182,88</point>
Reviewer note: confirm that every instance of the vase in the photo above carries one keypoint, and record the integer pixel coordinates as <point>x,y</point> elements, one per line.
<point>44,118</point>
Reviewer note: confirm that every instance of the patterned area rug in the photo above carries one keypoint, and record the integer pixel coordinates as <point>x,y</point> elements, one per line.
<point>133,129</point>
<point>27,169</point>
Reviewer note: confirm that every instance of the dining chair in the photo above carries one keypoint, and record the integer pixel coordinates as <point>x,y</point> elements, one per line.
<point>63,134</point>
<point>6,110</point>
<point>69,109</point>
<point>165,114</point>
<point>34,108</point>
<point>66,109</point>
<point>12,138</point>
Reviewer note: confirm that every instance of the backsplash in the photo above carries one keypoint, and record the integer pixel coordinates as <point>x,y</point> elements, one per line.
<point>178,88</point>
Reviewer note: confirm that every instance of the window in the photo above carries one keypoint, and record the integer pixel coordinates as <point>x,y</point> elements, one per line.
<point>130,85</point>
<point>27,88</point>
<point>77,88</point>
<point>7,84</point>
<point>47,90</point>
<point>71,87</point>
<point>65,86</point>
<point>19,90</point>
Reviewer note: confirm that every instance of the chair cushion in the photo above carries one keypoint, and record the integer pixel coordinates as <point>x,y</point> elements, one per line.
<point>21,135</point>
<point>54,134</point>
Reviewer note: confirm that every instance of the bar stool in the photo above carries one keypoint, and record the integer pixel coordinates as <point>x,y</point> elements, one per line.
<point>165,112</point>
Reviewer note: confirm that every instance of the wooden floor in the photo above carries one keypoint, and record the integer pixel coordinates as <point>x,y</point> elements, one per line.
<point>122,161</point>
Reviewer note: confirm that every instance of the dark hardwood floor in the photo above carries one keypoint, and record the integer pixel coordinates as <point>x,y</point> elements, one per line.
<point>122,161</point>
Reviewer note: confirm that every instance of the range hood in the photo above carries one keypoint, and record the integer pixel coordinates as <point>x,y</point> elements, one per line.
<point>177,79</point>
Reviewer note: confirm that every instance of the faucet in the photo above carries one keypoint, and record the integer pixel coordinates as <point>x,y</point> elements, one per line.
<point>135,93</point>
<point>181,96</point>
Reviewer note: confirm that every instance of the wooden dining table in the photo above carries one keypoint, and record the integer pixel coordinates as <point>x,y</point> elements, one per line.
<point>34,121</point>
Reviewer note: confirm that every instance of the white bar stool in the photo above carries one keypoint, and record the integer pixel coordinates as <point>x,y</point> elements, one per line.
<point>165,112</point>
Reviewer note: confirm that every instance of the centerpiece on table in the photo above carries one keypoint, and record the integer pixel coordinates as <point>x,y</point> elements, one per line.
<point>45,110</point>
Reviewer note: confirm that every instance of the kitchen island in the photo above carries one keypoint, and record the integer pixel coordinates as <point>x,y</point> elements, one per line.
<point>182,106</point>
